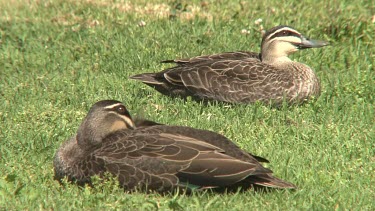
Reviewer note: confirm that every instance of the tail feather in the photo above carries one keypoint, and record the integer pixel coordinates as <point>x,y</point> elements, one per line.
<point>169,61</point>
<point>148,78</point>
<point>267,180</point>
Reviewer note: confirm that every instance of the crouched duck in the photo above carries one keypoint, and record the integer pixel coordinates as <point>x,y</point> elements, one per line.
<point>269,77</point>
<point>144,155</point>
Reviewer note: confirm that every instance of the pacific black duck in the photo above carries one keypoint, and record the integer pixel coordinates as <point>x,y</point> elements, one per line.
<point>244,77</point>
<point>151,156</point>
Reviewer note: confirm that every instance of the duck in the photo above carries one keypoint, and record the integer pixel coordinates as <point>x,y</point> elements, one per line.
<point>149,156</point>
<point>268,77</point>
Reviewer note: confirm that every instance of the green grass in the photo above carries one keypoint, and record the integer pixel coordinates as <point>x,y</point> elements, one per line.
<point>59,57</point>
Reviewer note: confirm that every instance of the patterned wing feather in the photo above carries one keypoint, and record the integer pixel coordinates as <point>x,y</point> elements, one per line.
<point>220,56</point>
<point>149,159</point>
<point>235,81</point>
<point>211,138</point>
<point>161,160</point>
<point>216,169</point>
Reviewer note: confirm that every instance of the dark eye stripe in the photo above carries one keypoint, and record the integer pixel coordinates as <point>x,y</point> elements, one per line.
<point>285,33</point>
<point>120,109</point>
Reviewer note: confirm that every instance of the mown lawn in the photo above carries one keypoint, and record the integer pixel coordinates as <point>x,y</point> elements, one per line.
<point>59,57</point>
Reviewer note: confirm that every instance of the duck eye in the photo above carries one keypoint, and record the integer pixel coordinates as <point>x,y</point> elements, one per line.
<point>288,33</point>
<point>121,110</point>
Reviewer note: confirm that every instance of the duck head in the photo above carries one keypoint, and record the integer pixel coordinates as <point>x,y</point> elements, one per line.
<point>103,118</point>
<point>281,41</point>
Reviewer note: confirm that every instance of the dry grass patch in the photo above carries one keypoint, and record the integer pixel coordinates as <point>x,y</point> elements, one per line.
<point>157,10</point>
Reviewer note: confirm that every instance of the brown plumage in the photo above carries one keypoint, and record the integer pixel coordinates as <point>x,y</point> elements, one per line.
<point>148,155</point>
<point>244,77</point>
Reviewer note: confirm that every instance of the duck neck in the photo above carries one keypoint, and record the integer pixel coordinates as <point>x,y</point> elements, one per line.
<point>88,137</point>
<point>276,61</point>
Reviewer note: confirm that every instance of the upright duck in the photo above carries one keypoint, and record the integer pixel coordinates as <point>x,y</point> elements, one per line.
<point>244,77</point>
<point>151,156</point>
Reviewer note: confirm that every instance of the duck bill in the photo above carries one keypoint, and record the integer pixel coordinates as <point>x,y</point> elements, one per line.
<point>307,43</point>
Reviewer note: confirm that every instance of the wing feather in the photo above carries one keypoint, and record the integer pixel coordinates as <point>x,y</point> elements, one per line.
<point>160,160</point>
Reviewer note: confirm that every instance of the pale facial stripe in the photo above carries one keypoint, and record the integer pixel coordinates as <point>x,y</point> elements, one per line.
<point>127,119</point>
<point>290,39</point>
<point>112,106</point>
<point>284,29</point>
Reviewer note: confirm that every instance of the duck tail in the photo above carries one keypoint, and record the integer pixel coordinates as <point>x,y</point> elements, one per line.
<point>267,180</point>
<point>147,78</point>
